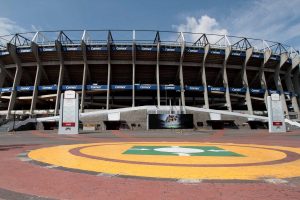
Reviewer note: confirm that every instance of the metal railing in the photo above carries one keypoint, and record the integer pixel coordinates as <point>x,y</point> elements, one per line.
<point>144,37</point>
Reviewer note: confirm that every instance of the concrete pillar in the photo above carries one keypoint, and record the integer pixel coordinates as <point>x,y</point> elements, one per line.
<point>35,51</point>
<point>4,75</point>
<point>85,69</point>
<point>225,78</point>
<point>5,72</point>
<point>245,80</point>
<point>108,76</point>
<point>203,74</point>
<point>133,72</point>
<point>181,76</point>
<point>12,49</point>
<point>296,83</point>
<point>157,74</point>
<point>290,87</point>
<point>262,78</point>
<point>283,58</point>
<point>60,77</point>
<point>2,78</point>
<point>35,89</point>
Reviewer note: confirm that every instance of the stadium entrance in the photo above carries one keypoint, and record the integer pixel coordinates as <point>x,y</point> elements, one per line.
<point>112,125</point>
<point>115,125</point>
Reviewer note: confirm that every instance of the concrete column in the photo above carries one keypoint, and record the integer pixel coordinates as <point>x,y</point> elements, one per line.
<point>85,69</point>
<point>245,80</point>
<point>289,84</point>
<point>2,78</point>
<point>225,78</point>
<point>283,58</point>
<point>157,74</point>
<point>12,49</point>
<point>4,75</point>
<point>60,77</point>
<point>35,89</point>
<point>203,74</point>
<point>108,76</point>
<point>5,72</point>
<point>262,77</point>
<point>133,72</point>
<point>181,77</point>
<point>35,51</point>
<point>296,83</point>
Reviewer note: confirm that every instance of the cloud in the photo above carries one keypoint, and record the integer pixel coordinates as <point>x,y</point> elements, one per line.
<point>268,19</point>
<point>8,27</point>
<point>204,24</point>
<point>275,20</point>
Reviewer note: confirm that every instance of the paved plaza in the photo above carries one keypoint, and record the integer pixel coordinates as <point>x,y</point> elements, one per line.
<point>207,164</point>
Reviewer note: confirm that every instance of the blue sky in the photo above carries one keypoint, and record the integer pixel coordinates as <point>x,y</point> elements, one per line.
<point>277,20</point>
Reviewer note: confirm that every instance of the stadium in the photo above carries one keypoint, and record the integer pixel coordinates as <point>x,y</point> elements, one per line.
<point>139,72</point>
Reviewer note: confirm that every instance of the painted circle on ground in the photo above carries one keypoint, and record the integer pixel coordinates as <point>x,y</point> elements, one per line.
<point>251,154</point>
<point>177,160</point>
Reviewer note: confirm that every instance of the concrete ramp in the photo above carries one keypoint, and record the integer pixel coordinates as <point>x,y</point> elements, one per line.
<point>166,109</point>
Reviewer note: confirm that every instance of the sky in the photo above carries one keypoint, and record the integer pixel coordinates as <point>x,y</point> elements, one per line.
<point>276,20</point>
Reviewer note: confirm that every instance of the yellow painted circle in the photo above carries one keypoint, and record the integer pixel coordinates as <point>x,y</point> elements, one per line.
<point>114,151</point>
<point>259,161</point>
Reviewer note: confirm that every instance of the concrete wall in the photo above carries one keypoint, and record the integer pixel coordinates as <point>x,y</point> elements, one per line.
<point>139,118</point>
<point>241,122</point>
<point>96,120</point>
<point>199,117</point>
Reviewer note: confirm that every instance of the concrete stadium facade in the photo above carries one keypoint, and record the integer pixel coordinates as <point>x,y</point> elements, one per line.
<point>131,68</point>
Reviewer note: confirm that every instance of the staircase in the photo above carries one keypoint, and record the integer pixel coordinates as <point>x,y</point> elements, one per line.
<point>292,125</point>
<point>8,125</point>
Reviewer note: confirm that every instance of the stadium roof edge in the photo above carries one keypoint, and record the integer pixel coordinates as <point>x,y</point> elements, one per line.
<point>91,37</point>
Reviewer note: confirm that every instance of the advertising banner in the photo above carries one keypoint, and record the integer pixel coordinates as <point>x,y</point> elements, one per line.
<point>96,87</point>
<point>25,88</point>
<point>47,87</point>
<point>170,121</point>
<point>71,87</point>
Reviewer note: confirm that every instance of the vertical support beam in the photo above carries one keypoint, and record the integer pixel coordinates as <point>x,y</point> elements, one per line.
<point>2,78</point>
<point>181,73</point>
<point>296,82</point>
<point>225,78</point>
<point>283,58</point>
<point>4,71</point>
<point>157,74</point>
<point>35,51</point>
<point>85,70</point>
<point>245,80</point>
<point>12,49</point>
<point>133,68</point>
<point>262,78</point>
<point>108,70</point>
<point>293,83</point>
<point>289,84</point>
<point>60,77</point>
<point>203,74</point>
<point>3,75</point>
